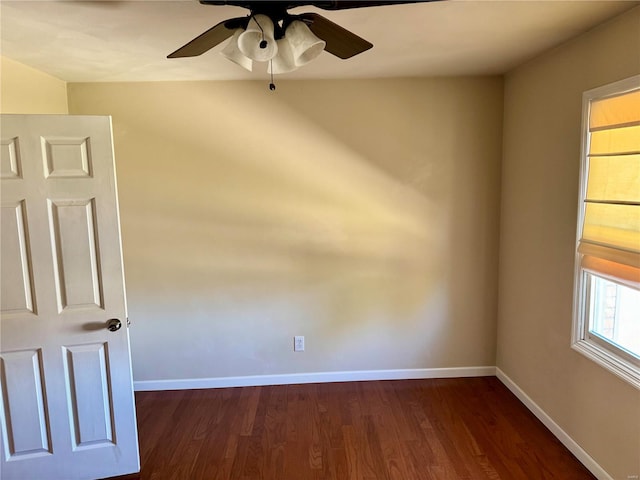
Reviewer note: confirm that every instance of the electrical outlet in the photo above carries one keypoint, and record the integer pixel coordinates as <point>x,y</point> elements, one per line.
<point>298,343</point>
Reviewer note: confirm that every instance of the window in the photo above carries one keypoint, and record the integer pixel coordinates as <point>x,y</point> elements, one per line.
<point>607,281</point>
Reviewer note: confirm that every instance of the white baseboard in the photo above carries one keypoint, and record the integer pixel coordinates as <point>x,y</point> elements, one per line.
<point>319,377</point>
<point>559,433</point>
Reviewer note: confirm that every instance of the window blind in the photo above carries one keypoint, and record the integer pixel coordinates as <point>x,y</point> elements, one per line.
<point>610,239</point>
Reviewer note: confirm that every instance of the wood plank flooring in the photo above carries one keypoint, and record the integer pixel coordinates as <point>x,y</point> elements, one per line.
<point>441,429</point>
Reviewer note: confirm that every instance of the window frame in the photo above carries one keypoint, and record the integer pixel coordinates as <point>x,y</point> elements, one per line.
<point>602,351</point>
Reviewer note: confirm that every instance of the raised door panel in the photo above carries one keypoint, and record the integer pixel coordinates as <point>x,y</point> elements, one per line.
<point>67,157</point>
<point>76,254</point>
<point>26,431</point>
<point>89,391</point>
<point>10,165</point>
<point>16,273</point>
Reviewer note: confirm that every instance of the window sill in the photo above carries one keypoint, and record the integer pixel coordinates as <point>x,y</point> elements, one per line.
<point>607,359</point>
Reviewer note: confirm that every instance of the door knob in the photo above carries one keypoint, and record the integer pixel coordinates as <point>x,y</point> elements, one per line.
<point>114,324</point>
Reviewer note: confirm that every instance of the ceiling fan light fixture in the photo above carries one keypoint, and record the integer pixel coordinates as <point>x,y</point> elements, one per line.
<point>283,62</point>
<point>233,53</point>
<point>305,46</point>
<point>251,42</point>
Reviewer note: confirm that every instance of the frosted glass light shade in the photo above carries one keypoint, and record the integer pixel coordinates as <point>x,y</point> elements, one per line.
<point>304,44</point>
<point>260,28</point>
<point>233,53</point>
<point>283,62</point>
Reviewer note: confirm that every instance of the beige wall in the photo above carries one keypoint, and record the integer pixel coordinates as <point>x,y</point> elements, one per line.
<point>27,90</point>
<point>361,214</point>
<point>540,178</point>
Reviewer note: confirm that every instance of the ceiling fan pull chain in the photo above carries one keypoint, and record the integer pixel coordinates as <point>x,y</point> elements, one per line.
<point>272,86</point>
<point>263,43</point>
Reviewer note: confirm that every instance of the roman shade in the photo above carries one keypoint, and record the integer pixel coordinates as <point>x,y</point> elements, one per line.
<point>610,239</point>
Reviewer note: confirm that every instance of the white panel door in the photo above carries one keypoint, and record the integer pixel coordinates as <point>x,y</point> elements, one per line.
<point>66,390</point>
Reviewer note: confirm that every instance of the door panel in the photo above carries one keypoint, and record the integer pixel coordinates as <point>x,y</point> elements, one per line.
<point>23,398</point>
<point>78,276</point>
<point>67,405</point>
<point>88,388</point>
<point>9,159</point>
<point>66,157</point>
<point>17,294</point>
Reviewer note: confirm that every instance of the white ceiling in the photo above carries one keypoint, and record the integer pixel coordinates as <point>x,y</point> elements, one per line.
<point>115,40</point>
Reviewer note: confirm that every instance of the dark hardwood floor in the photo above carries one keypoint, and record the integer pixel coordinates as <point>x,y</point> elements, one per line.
<point>471,428</point>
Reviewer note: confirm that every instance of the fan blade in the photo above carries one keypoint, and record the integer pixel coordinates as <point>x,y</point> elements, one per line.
<point>340,42</point>
<point>209,39</point>
<point>344,5</point>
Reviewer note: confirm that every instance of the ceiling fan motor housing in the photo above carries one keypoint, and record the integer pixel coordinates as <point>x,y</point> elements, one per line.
<point>338,41</point>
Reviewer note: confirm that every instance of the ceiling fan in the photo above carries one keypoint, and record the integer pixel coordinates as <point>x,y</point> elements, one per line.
<point>270,28</point>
